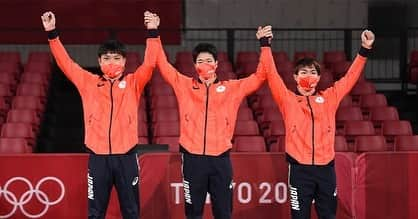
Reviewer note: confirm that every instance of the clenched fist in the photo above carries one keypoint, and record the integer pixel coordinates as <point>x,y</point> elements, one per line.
<point>48,20</point>
<point>367,39</point>
<point>151,20</point>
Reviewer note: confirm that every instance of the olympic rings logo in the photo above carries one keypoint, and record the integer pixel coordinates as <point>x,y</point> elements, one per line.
<point>41,196</point>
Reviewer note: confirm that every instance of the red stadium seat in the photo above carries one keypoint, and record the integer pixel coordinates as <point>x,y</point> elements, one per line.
<point>280,57</point>
<point>142,129</point>
<point>340,144</point>
<point>279,145</point>
<point>245,69</point>
<point>372,100</point>
<point>326,80</point>
<point>161,90</point>
<point>347,114</point>
<point>363,88</point>
<point>34,78</point>
<point>275,130</point>
<point>249,144</point>
<point>10,67</point>
<point>223,57</point>
<point>142,115</point>
<point>32,89</point>
<point>184,57</point>
<point>4,107</point>
<point>339,69</point>
<point>172,142</point>
<point>263,90</point>
<point>246,128</point>
<point>263,102</point>
<point>393,128</point>
<point>246,57</point>
<point>14,146</point>
<point>5,90</point>
<point>18,130</point>
<point>27,102</point>
<point>396,127</point>
<point>406,143</point>
<point>167,129</point>
<point>39,57</point>
<point>185,67</point>
<point>10,56</point>
<point>35,66</point>
<point>8,78</point>
<point>331,57</point>
<point>379,114</point>
<point>165,115</point>
<point>224,67</point>
<point>269,115</point>
<point>283,67</point>
<point>245,114</point>
<point>23,116</point>
<point>375,143</point>
<point>162,102</point>
<point>358,128</point>
<point>133,57</point>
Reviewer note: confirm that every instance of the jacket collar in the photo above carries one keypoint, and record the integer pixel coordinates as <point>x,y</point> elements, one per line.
<point>102,78</point>
<point>201,82</point>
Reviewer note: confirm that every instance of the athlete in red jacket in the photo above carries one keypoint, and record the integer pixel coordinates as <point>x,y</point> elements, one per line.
<point>309,117</point>
<point>208,109</point>
<point>110,103</point>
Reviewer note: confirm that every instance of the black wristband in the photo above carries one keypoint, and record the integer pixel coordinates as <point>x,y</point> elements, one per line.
<point>364,52</point>
<point>264,42</point>
<point>153,33</point>
<point>52,34</point>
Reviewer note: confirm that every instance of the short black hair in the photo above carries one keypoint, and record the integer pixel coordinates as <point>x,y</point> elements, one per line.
<point>307,61</point>
<point>112,46</point>
<point>204,47</point>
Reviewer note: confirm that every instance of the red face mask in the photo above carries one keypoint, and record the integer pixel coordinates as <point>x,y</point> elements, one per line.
<point>308,83</point>
<point>112,70</point>
<point>205,70</point>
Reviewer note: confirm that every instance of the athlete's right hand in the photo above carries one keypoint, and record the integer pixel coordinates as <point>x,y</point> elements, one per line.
<point>151,20</point>
<point>48,20</point>
<point>265,31</point>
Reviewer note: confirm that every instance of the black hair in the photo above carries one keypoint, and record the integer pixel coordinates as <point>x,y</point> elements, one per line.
<point>307,61</point>
<point>112,46</point>
<point>205,47</point>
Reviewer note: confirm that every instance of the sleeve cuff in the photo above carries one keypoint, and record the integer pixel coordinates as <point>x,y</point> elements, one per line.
<point>264,42</point>
<point>364,52</point>
<point>153,33</point>
<point>53,34</point>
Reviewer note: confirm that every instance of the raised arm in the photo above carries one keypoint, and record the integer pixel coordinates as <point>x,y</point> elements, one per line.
<point>275,82</point>
<point>251,83</point>
<point>144,72</point>
<point>71,69</point>
<point>167,71</point>
<point>346,83</point>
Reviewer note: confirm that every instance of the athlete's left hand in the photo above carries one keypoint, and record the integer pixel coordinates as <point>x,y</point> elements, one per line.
<point>367,39</point>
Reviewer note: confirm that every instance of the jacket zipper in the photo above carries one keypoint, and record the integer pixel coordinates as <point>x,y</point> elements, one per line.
<point>111,115</point>
<point>206,119</point>
<point>313,131</point>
